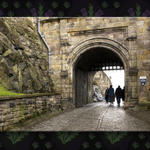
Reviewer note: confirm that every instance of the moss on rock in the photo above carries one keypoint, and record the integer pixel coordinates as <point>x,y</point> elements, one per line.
<point>22,54</point>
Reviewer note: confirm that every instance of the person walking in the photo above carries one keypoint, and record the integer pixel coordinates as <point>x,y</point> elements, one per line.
<point>111,94</point>
<point>106,95</point>
<point>118,94</point>
<point>123,93</point>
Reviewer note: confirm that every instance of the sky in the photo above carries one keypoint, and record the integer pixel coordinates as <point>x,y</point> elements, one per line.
<point>117,77</point>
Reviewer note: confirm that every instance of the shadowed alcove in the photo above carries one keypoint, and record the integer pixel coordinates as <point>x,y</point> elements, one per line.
<point>85,67</point>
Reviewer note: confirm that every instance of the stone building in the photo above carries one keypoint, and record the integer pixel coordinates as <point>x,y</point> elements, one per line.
<point>83,45</point>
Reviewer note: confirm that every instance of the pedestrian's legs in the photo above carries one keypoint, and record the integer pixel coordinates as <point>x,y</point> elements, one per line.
<point>107,99</point>
<point>112,100</point>
<point>118,101</point>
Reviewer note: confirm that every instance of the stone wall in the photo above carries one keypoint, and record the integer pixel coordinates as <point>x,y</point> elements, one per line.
<point>68,39</point>
<point>127,37</point>
<point>17,110</point>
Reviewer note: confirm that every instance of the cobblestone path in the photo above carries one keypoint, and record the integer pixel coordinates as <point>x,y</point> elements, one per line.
<point>97,116</point>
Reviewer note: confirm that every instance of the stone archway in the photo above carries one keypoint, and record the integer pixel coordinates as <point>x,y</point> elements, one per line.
<point>80,76</point>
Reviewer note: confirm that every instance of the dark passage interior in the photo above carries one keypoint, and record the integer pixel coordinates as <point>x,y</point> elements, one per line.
<point>96,59</point>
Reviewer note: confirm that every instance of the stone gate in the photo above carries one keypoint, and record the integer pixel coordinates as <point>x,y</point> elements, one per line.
<point>81,46</point>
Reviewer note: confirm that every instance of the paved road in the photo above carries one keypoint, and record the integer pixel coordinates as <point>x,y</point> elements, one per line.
<point>97,116</point>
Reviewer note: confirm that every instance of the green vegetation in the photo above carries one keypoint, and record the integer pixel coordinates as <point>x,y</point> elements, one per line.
<point>55,4</point>
<point>35,145</point>
<point>147,145</point>
<point>135,145</point>
<point>138,10</point>
<point>141,136</point>
<point>91,136</point>
<point>115,137</point>
<point>98,145</point>
<point>67,4</point>
<point>42,136</point>
<point>91,10</point>
<point>85,145</point>
<point>116,4</point>
<point>48,145</point>
<point>66,137</point>
<point>4,92</point>
<point>16,137</point>
<point>105,4</point>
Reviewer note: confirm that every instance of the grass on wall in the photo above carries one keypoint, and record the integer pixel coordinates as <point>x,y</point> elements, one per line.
<point>4,92</point>
<point>6,95</point>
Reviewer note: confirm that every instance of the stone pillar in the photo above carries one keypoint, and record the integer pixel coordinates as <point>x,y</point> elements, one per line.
<point>132,89</point>
<point>64,46</point>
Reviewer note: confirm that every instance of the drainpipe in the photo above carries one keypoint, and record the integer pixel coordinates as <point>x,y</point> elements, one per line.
<point>47,46</point>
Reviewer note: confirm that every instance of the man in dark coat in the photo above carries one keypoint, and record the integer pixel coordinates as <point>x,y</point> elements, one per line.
<point>118,94</point>
<point>123,94</point>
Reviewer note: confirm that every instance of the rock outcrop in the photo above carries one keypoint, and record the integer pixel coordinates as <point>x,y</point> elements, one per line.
<point>98,79</point>
<point>23,57</point>
<point>102,80</point>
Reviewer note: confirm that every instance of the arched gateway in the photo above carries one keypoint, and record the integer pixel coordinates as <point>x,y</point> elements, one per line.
<point>89,53</point>
<point>83,45</point>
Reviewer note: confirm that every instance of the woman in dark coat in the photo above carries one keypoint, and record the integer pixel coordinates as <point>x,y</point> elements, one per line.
<point>106,95</point>
<point>111,94</point>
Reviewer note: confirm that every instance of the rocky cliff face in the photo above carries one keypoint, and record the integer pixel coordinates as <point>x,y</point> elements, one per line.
<point>102,80</point>
<point>23,57</point>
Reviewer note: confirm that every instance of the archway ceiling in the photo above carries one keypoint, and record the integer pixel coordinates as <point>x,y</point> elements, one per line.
<point>97,58</point>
